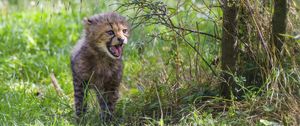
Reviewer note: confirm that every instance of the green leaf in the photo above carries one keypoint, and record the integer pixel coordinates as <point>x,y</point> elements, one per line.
<point>268,123</point>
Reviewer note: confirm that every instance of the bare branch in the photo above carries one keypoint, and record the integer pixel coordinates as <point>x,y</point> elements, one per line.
<point>56,86</point>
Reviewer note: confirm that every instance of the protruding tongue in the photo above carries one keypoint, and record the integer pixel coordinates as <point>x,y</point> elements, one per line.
<point>117,49</point>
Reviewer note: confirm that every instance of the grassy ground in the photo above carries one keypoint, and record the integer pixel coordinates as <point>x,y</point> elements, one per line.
<point>36,39</point>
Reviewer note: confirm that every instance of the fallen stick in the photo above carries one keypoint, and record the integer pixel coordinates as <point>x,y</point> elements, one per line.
<point>57,88</point>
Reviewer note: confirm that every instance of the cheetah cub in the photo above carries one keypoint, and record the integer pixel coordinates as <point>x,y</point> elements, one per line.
<point>96,61</point>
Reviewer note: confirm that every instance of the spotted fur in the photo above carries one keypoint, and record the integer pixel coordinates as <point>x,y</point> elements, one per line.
<point>96,61</point>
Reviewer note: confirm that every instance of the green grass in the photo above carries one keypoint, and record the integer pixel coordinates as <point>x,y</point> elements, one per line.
<point>160,86</point>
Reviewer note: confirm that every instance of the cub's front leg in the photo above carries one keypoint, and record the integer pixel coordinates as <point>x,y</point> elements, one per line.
<point>107,101</point>
<point>80,94</point>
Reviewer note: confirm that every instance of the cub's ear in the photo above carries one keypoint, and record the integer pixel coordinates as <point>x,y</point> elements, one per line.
<point>87,21</point>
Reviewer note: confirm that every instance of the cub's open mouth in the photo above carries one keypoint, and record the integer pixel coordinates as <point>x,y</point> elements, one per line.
<point>115,50</point>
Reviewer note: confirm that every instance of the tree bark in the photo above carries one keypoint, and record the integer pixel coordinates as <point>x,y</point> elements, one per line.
<point>229,46</point>
<point>279,22</point>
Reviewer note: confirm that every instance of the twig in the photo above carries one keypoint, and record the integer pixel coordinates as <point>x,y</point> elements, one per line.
<point>57,88</point>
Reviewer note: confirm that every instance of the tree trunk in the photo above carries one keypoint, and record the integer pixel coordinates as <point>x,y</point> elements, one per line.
<point>229,46</point>
<point>279,22</point>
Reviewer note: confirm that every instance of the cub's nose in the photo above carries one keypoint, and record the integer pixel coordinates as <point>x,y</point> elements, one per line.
<point>121,40</point>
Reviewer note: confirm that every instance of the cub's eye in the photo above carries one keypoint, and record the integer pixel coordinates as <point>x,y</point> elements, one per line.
<point>110,32</point>
<point>124,30</point>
